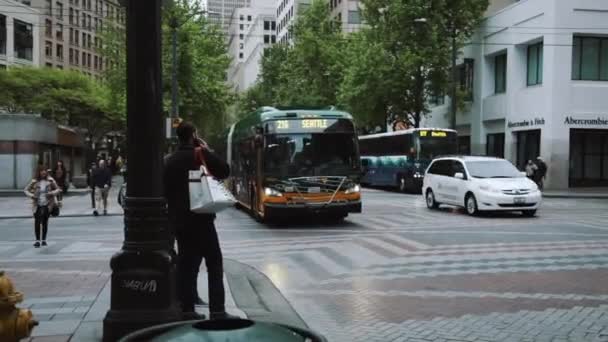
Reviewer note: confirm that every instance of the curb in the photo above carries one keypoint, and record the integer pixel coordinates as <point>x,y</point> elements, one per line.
<point>257,296</point>
<point>60,216</point>
<point>577,196</point>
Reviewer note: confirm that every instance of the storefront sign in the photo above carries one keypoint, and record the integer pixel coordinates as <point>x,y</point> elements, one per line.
<point>527,123</point>
<point>586,122</point>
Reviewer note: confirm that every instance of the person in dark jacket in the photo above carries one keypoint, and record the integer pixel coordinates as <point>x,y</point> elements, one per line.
<point>60,174</point>
<point>102,181</point>
<point>541,173</point>
<point>195,233</point>
<point>90,183</point>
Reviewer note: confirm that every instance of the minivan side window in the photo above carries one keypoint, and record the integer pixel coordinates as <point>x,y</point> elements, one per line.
<point>441,168</point>
<point>458,167</point>
<point>434,169</point>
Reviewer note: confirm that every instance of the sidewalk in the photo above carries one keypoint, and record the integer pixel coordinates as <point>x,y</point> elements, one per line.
<point>76,203</point>
<point>249,294</point>
<point>590,193</point>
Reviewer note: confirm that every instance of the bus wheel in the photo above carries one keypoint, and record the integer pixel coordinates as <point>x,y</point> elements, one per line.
<point>402,184</point>
<point>254,209</point>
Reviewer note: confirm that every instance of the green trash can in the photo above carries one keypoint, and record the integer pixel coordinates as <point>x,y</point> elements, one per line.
<point>230,330</point>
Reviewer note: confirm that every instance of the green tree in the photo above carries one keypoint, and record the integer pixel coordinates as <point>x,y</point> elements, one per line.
<point>408,56</point>
<point>307,73</point>
<point>202,61</point>
<point>313,69</point>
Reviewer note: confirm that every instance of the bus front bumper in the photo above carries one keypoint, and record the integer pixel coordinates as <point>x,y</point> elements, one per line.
<point>283,210</point>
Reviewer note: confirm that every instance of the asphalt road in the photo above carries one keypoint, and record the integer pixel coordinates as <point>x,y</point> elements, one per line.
<point>397,272</point>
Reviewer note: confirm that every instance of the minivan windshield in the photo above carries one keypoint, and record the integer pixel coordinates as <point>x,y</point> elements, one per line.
<point>499,168</point>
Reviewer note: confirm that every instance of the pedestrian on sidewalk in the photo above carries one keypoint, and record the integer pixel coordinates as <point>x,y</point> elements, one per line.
<point>541,173</point>
<point>43,191</point>
<point>60,174</point>
<point>531,169</point>
<point>102,180</point>
<point>90,182</point>
<point>195,233</point>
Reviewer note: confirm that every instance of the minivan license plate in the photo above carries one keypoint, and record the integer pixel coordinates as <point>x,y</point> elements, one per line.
<point>519,200</point>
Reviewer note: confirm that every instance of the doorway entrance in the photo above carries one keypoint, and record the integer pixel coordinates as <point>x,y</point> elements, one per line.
<point>528,147</point>
<point>588,157</point>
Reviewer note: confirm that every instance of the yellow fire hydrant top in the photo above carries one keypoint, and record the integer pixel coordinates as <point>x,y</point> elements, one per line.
<point>15,323</point>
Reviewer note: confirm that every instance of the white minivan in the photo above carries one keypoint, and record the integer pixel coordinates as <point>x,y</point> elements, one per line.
<point>480,184</point>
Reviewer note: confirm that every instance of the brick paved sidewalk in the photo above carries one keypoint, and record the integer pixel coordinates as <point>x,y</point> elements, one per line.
<point>73,204</point>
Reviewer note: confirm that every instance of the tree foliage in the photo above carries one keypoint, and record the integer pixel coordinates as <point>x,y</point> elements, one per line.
<point>307,73</point>
<point>66,97</point>
<point>202,61</point>
<point>386,70</point>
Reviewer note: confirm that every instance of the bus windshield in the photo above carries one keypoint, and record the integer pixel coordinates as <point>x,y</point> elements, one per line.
<point>431,147</point>
<point>316,154</point>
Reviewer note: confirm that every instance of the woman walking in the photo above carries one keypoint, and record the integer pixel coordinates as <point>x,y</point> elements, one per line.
<point>60,175</point>
<point>43,191</point>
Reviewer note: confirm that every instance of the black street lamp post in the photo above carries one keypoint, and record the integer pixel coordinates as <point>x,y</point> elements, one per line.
<point>143,272</point>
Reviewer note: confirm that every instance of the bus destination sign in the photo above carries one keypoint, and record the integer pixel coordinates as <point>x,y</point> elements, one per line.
<point>434,134</point>
<point>309,125</point>
<point>306,123</point>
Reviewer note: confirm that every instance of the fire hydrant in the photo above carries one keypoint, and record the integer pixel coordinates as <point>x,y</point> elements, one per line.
<point>15,323</point>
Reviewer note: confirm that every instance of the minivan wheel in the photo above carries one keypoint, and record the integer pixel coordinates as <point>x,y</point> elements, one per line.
<point>430,200</point>
<point>471,205</point>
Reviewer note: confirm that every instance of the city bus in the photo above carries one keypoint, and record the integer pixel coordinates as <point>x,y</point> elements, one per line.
<point>399,159</point>
<point>295,161</point>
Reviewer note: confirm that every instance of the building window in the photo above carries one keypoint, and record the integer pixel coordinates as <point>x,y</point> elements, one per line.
<point>273,39</point>
<point>266,38</point>
<point>84,58</point>
<point>71,56</point>
<point>266,25</point>
<point>48,49</point>
<point>273,25</point>
<point>495,145</point>
<point>240,55</point>
<point>84,20</point>
<point>71,16</point>
<point>48,28</point>
<point>241,36</point>
<point>89,60</point>
<point>71,35</point>
<point>59,34</point>
<point>242,17</point>
<point>59,10</point>
<point>248,18</point>
<point>466,78</point>
<point>2,34</point>
<point>535,64</point>
<point>95,62</point>
<point>241,27</point>
<point>23,39</point>
<point>76,17</point>
<point>437,99</point>
<point>354,17</point>
<point>590,59</point>
<point>59,52</point>
<point>500,74</point>
<point>76,54</point>
<point>241,45</point>
<point>48,7</point>
<point>60,67</point>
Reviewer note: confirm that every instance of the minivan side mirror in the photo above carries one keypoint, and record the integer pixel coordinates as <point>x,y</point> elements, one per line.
<point>459,175</point>
<point>523,174</point>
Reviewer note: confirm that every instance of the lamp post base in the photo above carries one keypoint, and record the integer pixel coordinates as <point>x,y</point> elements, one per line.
<point>143,284</point>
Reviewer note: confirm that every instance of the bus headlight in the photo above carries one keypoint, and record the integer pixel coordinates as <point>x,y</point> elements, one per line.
<point>270,192</point>
<point>355,189</point>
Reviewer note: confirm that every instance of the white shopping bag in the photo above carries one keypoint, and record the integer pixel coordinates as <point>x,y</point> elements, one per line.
<point>207,194</point>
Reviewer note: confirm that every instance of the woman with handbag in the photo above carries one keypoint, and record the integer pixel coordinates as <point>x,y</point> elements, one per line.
<point>43,191</point>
